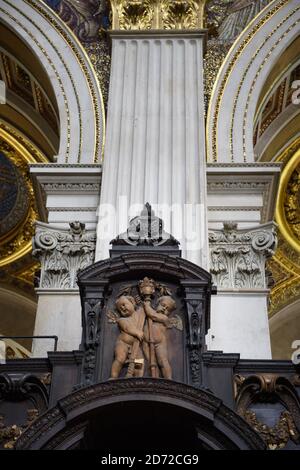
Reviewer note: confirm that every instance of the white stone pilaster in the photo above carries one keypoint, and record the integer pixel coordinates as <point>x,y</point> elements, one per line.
<point>239,323</point>
<point>62,253</point>
<point>155,143</point>
<point>239,312</point>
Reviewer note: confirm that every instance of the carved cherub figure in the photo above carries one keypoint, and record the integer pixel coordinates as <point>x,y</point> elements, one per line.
<point>155,334</point>
<point>130,330</point>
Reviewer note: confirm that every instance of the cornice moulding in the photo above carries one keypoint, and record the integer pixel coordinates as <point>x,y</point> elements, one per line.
<point>41,291</point>
<point>248,292</point>
<point>246,168</point>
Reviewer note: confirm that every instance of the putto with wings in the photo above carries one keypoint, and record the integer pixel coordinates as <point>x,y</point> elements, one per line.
<point>143,329</point>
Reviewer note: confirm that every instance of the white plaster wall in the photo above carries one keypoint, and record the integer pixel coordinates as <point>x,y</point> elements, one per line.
<point>239,324</point>
<point>58,314</point>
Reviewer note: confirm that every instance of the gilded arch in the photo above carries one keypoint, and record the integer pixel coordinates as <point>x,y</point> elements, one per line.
<point>241,78</point>
<point>74,81</point>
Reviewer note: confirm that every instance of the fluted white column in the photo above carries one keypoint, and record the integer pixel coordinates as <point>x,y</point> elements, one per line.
<point>155,142</point>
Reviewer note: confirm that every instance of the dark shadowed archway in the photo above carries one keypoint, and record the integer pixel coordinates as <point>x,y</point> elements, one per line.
<point>140,414</point>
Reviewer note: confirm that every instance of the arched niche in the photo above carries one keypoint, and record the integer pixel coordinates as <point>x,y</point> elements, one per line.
<point>208,423</point>
<point>71,74</point>
<point>241,80</point>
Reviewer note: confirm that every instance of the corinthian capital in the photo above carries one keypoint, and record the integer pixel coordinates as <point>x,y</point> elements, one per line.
<point>157,14</point>
<point>238,257</point>
<point>63,253</point>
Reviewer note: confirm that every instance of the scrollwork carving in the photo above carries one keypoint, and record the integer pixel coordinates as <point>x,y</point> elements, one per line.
<point>62,254</point>
<point>238,257</point>
<point>270,388</point>
<point>18,387</point>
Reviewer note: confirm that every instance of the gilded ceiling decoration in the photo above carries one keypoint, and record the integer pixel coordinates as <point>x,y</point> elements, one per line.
<point>17,223</point>
<point>225,20</point>
<point>276,102</point>
<point>20,82</point>
<point>18,210</point>
<point>89,20</point>
<point>14,196</point>
<point>159,14</point>
<point>285,265</point>
<point>240,13</point>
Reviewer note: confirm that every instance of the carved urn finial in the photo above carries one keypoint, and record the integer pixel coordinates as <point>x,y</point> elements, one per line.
<point>147,287</point>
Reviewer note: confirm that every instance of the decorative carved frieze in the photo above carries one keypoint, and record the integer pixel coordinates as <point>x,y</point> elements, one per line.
<point>149,326</point>
<point>92,328</point>
<point>238,257</point>
<point>54,187</point>
<point>158,14</point>
<point>62,253</point>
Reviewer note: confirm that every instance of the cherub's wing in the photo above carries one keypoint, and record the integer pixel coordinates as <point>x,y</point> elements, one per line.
<point>163,290</point>
<point>125,290</point>
<point>175,322</point>
<point>112,316</point>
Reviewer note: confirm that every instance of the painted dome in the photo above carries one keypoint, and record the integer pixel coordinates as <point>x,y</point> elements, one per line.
<point>14,199</point>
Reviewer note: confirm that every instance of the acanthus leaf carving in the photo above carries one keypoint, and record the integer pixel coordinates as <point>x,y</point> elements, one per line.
<point>135,14</point>
<point>158,14</point>
<point>63,253</point>
<point>238,257</point>
<point>179,14</point>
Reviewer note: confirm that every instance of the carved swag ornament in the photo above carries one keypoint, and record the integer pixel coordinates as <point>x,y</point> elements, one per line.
<point>143,329</point>
<point>270,388</point>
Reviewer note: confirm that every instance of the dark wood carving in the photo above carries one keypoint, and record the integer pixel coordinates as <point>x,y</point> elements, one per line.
<point>59,426</point>
<point>145,311</point>
<point>187,298</point>
<point>23,397</point>
<point>270,389</point>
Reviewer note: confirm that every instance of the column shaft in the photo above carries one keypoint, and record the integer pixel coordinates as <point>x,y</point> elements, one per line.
<point>155,147</point>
